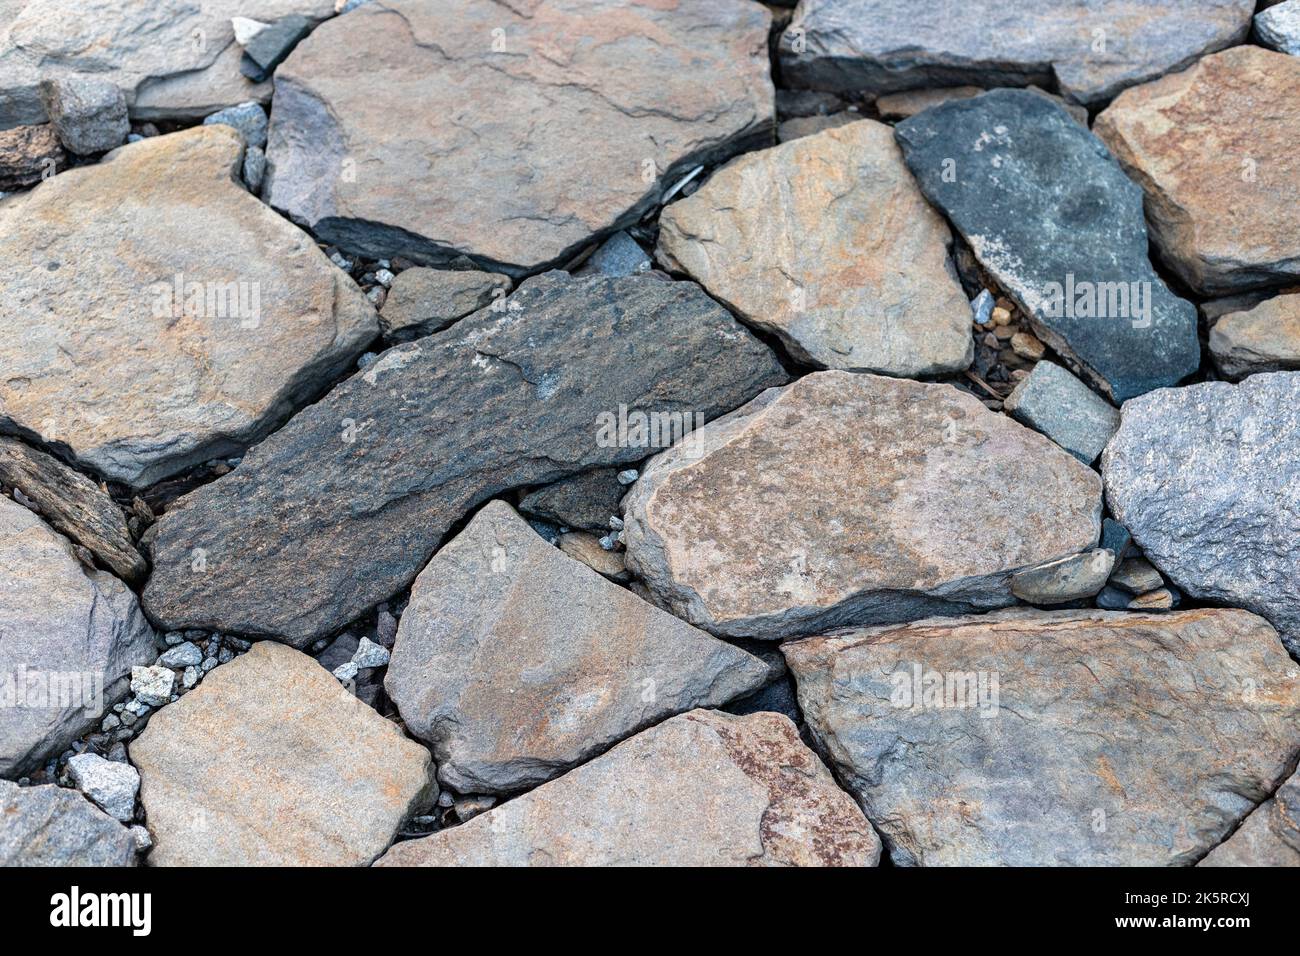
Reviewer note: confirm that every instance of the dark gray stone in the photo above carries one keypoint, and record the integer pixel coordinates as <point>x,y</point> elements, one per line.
<point>268,48</point>
<point>1113,599</point>
<point>249,118</point>
<point>618,256</point>
<point>1051,216</point>
<point>89,114</point>
<point>340,508</point>
<point>29,153</point>
<point>1054,402</point>
<point>1115,538</point>
<point>585,501</point>
<point>50,826</point>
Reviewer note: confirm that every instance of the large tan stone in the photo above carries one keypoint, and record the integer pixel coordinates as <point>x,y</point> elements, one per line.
<point>853,498</point>
<point>827,242</point>
<point>700,789</point>
<point>101,353</point>
<point>1265,338</point>
<point>1213,148</point>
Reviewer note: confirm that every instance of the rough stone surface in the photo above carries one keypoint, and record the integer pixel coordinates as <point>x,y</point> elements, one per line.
<point>111,786</point>
<point>1265,338</point>
<point>249,118</point>
<point>700,789</point>
<point>1137,576</point>
<point>1270,836</point>
<point>103,357</point>
<point>827,243</point>
<point>584,501</point>
<point>619,255</point>
<point>897,106</point>
<point>269,762</point>
<point>267,48</point>
<point>74,505</point>
<point>1092,751</point>
<point>88,114</point>
<point>1052,401</point>
<point>1066,579</point>
<point>325,519</point>
<point>852,498</point>
<point>50,826</point>
<point>58,620</point>
<point>1205,477</point>
<point>802,126</point>
<point>28,154</point>
<point>883,46</point>
<point>516,662</point>
<point>619,87</point>
<point>585,547</point>
<point>152,686</point>
<point>1279,27</point>
<point>422,301</point>
<point>172,59</point>
<point>1049,213</point>
<point>1214,150</point>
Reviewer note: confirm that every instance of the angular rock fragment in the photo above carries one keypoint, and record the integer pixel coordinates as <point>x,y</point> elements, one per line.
<point>827,243</point>
<point>50,826</point>
<point>1207,478</point>
<point>1066,579</point>
<point>68,640</point>
<point>1052,401</point>
<point>1048,212</point>
<point>699,789</point>
<point>619,255</point>
<point>1214,151</point>
<point>1270,836</point>
<point>850,498</point>
<point>270,762</point>
<point>619,88</point>
<point>584,501</point>
<point>1089,49</point>
<point>73,505</point>
<point>585,547</point>
<point>29,154</point>
<point>88,114</point>
<point>1265,338</point>
<point>340,508</point>
<point>173,318</point>
<point>1033,738</point>
<point>422,301</point>
<point>267,48</point>
<point>516,662</point>
<point>111,786</point>
<point>1278,27</point>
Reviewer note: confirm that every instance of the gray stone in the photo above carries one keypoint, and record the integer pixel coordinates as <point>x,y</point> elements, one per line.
<point>1009,168</point>
<point>981,308</point>
<point>1205,477</point>
<point>29,154</point>
<point>69,637</point>
<point>369,654</point>
<point>50,826</point>
<point>111,786</point>
<point>699,789</point>
<point>1054,738</point>
<point>422,301</point>
<point>625,116</point>
<point>346,672</point>
<point>1113,599</point>
<point>1270,836</point>
<point>619,255</point>
<point>515,662</point>
<point>1137,576</point>
<point>152,685</point>
<point>1067,579</point>
<point>254,169</point>
<point>1052,401</point>
<point>802,126</point>
<point>249,118</point>
<point>267,48</point>
<point>182,656</point>
<point>1278,27</point>
<point>1115,538</point>
<point>585,501</point>
<point>338,510</point>
<point>88,114</point>
<point>882,46</point>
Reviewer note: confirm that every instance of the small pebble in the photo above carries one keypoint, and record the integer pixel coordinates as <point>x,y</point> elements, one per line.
<point>190,677</point>
<point>628,476</point>
<point>1001,316</point>
<point>346,672</point>
<point>384,278</point>
<point>1028,346</point>
<point>182,656</point>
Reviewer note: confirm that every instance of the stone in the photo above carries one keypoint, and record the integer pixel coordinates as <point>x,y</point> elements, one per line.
<point>896,106</point>
<point>1027,346</point>
<point>153,685</point>
<point>1137,576</point>
<point>88,114</point>
<point>172,59</point>
<point>792,104</point>
<point>515,662</point>
<point>249,118</point>
<point>369,655</point>
<point>422,301</point>
<point>585,547</point>
<point>29,154</point>
<point>626,115</point>
<point>340,651</point>
<point>1074,578</point>
<point>1266,338</point>
<point>827,243</point>
<point>886,46</point>
<point>981,308</point>
<point>619,255</point>
<point>699,789</point>
<point>266,49</point>
<point>1115,538</point>
<point>137,380</point>
<point>50,826</point>
<point>1052,401</point>
<point>182,656</point>
<point>1029,738</point>
<point>110,786</point>
<point>852,498</point>
<point>1269,836</point>
<point>254,170</point>
<point>802,126</point>
<point>1220,188</point>
<point>74,506</point>
<point>69,637</point>
<point>1205,479</point>
<point>1113,599</point>
<point>1008,168</point>
<point>1161,599</point>
<point>585,501</point>
<point>270,763</point>
<point>325,519</point>
<point>1278,28</point>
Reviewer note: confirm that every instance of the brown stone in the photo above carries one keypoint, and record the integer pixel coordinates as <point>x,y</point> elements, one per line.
<point>29,154</point>
<point>1265,338</point>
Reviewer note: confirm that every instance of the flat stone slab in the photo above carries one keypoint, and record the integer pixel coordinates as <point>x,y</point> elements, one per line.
<point>1052,217</point>
<point>422,301</point>
<point>827,243</point>
<point>1089,49</point>
<point>342,507</point>
<point>625,116</point>
<point>271,762</point>
<point>1270,836</point>
<point>173,319</point>
<point>51,826</point>
<point>1052,401</point>
<point>69,637</point>
<point>849,498</point>
<point>515,662</point>
<point>700,789</point>
<point>1217,160</point>
<point>1263,339</point>
<point>1207,478</point>
<point>1061,738</point>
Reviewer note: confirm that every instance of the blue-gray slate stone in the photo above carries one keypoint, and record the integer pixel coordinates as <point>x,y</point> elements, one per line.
<point>1054,402</point>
